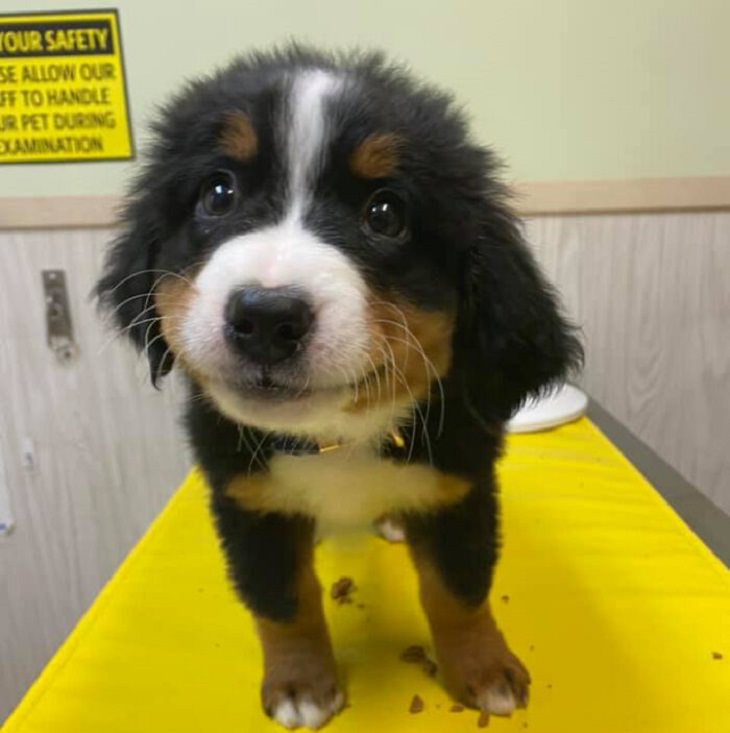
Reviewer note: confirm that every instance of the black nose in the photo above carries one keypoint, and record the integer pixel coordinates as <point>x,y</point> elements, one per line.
<point>267,324</point>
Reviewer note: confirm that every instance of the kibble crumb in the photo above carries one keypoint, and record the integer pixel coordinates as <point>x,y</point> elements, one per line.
<point>456,708</point>
<point>416,705</point>
<point>341,590</point>
<point>717,655</point>
<point>505,599</point>
<point>414,654</point>
<point>429,667</point>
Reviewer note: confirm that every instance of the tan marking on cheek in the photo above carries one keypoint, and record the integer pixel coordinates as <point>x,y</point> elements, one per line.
<point>173,299</point>
<point>410,346</point>
<point>238,138</point>
<point>377,156</point>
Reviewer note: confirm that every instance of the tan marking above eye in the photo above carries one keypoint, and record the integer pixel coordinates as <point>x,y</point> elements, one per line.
<point>238,138</point>
<point>377,156</point>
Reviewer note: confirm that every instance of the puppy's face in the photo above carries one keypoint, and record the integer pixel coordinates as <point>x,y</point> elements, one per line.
<point>307,291</point>
<point>305,232</point>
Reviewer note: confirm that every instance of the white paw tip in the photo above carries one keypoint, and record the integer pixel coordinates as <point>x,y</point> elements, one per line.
<point>312,715</point>
<point>499,700</point>
<point>306,712</point>
<point>391,531</point>
<point>286,714</point>
<point>338,702</point>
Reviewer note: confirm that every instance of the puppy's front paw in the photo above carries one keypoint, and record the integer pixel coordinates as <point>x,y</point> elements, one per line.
<point>305,701</point>
<point>390,529</point>
<point>483,673</point>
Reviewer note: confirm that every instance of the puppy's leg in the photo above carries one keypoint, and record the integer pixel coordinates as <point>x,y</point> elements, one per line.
<point>454,551</point>
<point>270,560</point>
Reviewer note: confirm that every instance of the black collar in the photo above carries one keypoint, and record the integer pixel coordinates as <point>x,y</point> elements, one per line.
<point>294,446</point>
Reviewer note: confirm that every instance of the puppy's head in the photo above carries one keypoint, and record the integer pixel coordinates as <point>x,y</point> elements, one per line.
<point>316,243</point>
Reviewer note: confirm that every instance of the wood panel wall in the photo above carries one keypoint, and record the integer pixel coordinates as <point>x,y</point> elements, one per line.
<point>652,294</point>
<point>91,453</point>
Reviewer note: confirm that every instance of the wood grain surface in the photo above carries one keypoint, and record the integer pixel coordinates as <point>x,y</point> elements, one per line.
<point>652,294</point>
<point>91,452</point>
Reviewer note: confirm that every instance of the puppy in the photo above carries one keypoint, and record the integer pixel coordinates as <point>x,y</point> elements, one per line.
<point>330,261</point>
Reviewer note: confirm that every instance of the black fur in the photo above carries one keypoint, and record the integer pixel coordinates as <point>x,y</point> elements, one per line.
<point>461,541</point>
<point>265,553</point>
<point>465,251</point>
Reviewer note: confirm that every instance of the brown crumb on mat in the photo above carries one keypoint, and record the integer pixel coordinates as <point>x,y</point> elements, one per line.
<point>416,654</point>
<point>416,705</point>
<point>456,708</point>
<point>716,655</point>
<point>429,667</point>
<point>342,589</point>
<point>505,598</point>
<point>483,721</point>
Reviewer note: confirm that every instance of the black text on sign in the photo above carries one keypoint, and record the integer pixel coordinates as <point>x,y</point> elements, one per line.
<point>62,88</point>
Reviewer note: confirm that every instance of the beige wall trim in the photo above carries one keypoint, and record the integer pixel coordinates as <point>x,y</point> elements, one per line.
<point>532,198</point>
<point>57,212</point>
<point>621,196</point>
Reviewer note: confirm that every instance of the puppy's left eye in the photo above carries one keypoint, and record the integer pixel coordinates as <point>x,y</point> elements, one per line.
<point>218,194</point>
<point>385,214</point>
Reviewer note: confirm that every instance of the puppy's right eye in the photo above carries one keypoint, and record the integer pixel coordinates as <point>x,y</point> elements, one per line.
<point>219,194</point>
<point>385,215</point>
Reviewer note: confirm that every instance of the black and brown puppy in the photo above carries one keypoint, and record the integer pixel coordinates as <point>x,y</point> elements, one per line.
<point>327,257</point>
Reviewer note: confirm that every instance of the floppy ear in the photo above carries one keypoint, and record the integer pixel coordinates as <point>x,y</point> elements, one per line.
<point>512,340</point>
<point>125,288</point>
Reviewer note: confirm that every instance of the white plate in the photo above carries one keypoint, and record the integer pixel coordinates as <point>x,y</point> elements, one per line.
<point>566,404</point>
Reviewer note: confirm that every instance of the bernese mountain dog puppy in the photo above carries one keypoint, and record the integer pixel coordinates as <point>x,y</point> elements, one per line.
<point>330,261</point>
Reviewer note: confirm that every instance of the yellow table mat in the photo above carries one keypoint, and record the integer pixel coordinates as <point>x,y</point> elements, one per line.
<point>621,614</point>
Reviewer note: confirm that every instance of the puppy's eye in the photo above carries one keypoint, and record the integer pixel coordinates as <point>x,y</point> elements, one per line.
<point>385,214</point>
<point>218,194</point>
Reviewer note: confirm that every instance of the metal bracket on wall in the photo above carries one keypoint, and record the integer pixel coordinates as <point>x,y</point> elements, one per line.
<point>59,328</point>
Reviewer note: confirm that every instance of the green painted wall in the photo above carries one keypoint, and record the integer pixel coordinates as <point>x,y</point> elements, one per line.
<point>564,89</point>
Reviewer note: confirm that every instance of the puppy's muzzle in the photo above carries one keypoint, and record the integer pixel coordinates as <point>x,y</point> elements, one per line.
<point>267,325</point>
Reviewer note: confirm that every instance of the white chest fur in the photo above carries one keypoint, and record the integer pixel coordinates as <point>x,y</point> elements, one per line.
<point>354,485</point>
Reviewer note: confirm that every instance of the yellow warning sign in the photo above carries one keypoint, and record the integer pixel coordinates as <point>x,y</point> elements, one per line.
<point>62,88</point>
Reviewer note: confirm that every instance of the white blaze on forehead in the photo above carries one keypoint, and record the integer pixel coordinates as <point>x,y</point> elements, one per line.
<point>307,132</point>
<point>287,254</point>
